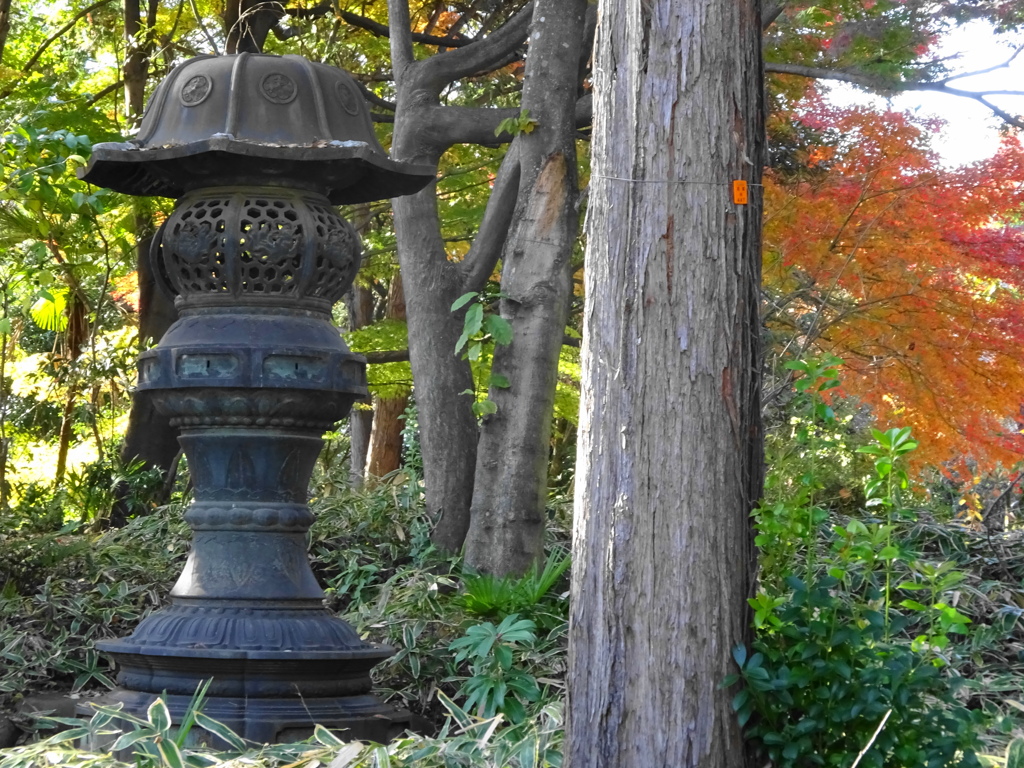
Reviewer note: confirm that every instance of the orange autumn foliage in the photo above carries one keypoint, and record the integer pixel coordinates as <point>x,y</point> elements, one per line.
<point>910,272</point>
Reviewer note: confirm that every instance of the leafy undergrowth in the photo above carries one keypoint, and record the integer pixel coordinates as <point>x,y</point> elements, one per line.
<point>887,632</point>
<point>482,661</point>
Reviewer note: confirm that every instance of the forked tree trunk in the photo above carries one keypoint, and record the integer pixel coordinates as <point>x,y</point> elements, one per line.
<point>670,444</point>
<point>506,534</point>
<point>448,432</point>
<point>423,131</point>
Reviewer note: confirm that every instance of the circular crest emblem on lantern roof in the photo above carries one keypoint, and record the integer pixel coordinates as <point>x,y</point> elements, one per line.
<point>278,88</point>
<point>195,91</point>
<point>348,98</point>
<point>211,123</point>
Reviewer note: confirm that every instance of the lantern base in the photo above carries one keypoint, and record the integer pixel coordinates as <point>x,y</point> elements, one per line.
<point>271,720</point>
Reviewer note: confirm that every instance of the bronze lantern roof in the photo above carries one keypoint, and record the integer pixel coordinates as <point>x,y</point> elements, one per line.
<point>257,119</point>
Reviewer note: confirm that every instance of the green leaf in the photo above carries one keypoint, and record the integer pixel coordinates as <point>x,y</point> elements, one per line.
<point>740,699</point>
<point>48,311</point>
<point>474,319</point>
<point>500,382</point>
<point>327,738</point>
<point>913,605</point>
<point>459,715</point>
<point>471,326</point>
<point>128,739</point>
<point>463,300</point>
<point>220,730</point>
<point>159,716</point>
<point>170,753</point>
<point>484,408</point>
<point>739,654</point>
<point>514,710</point>
<point>1015,753</point>
<point>499,328</point>
<point>911,585</point>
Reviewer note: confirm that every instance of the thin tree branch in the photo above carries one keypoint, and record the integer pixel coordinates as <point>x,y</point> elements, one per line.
<point>386,356</point>
<point>456,28</point>
<point>104,93</point>
<point>995,504</point>
<point>56,35</point>
<point>374,99</point>
<point>985,71</point>
<point>316,12</point>
<point>881,84</point>
<point>202,27</point>
<point>480,56</point>
<point>771,13</point>
<point>486,249</point>
<point>383,30</point>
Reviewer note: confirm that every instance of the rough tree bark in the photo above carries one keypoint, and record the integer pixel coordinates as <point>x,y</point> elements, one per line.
<point>424,129</point>
<point>506,534</point>
<point>670,445</point>
<point>5,25</point>
<point>384,452</point>
<point>248,22</point>
<point>139,36</point>
<point>359,302</point>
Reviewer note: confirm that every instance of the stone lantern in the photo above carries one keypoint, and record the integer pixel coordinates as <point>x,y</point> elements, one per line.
<point>257,149</point>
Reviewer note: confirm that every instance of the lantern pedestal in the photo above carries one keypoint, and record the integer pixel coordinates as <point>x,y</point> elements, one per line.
<point>253,373</point>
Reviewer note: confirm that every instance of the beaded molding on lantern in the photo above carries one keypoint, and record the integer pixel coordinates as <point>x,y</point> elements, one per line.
<point>224,246</point>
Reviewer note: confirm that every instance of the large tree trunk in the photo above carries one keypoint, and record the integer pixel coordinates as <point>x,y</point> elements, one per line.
<point>506,534</point>
<point>385,453</point>
<point>5,25</point>
<point>359,302</point>
<point>423,131</point>
<point>385,447</point>
<point>670,444</point>
<point>138,35</point>
<point>448,431</point>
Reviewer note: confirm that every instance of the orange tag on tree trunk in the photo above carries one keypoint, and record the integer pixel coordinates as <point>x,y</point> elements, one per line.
<point>739,192</point>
